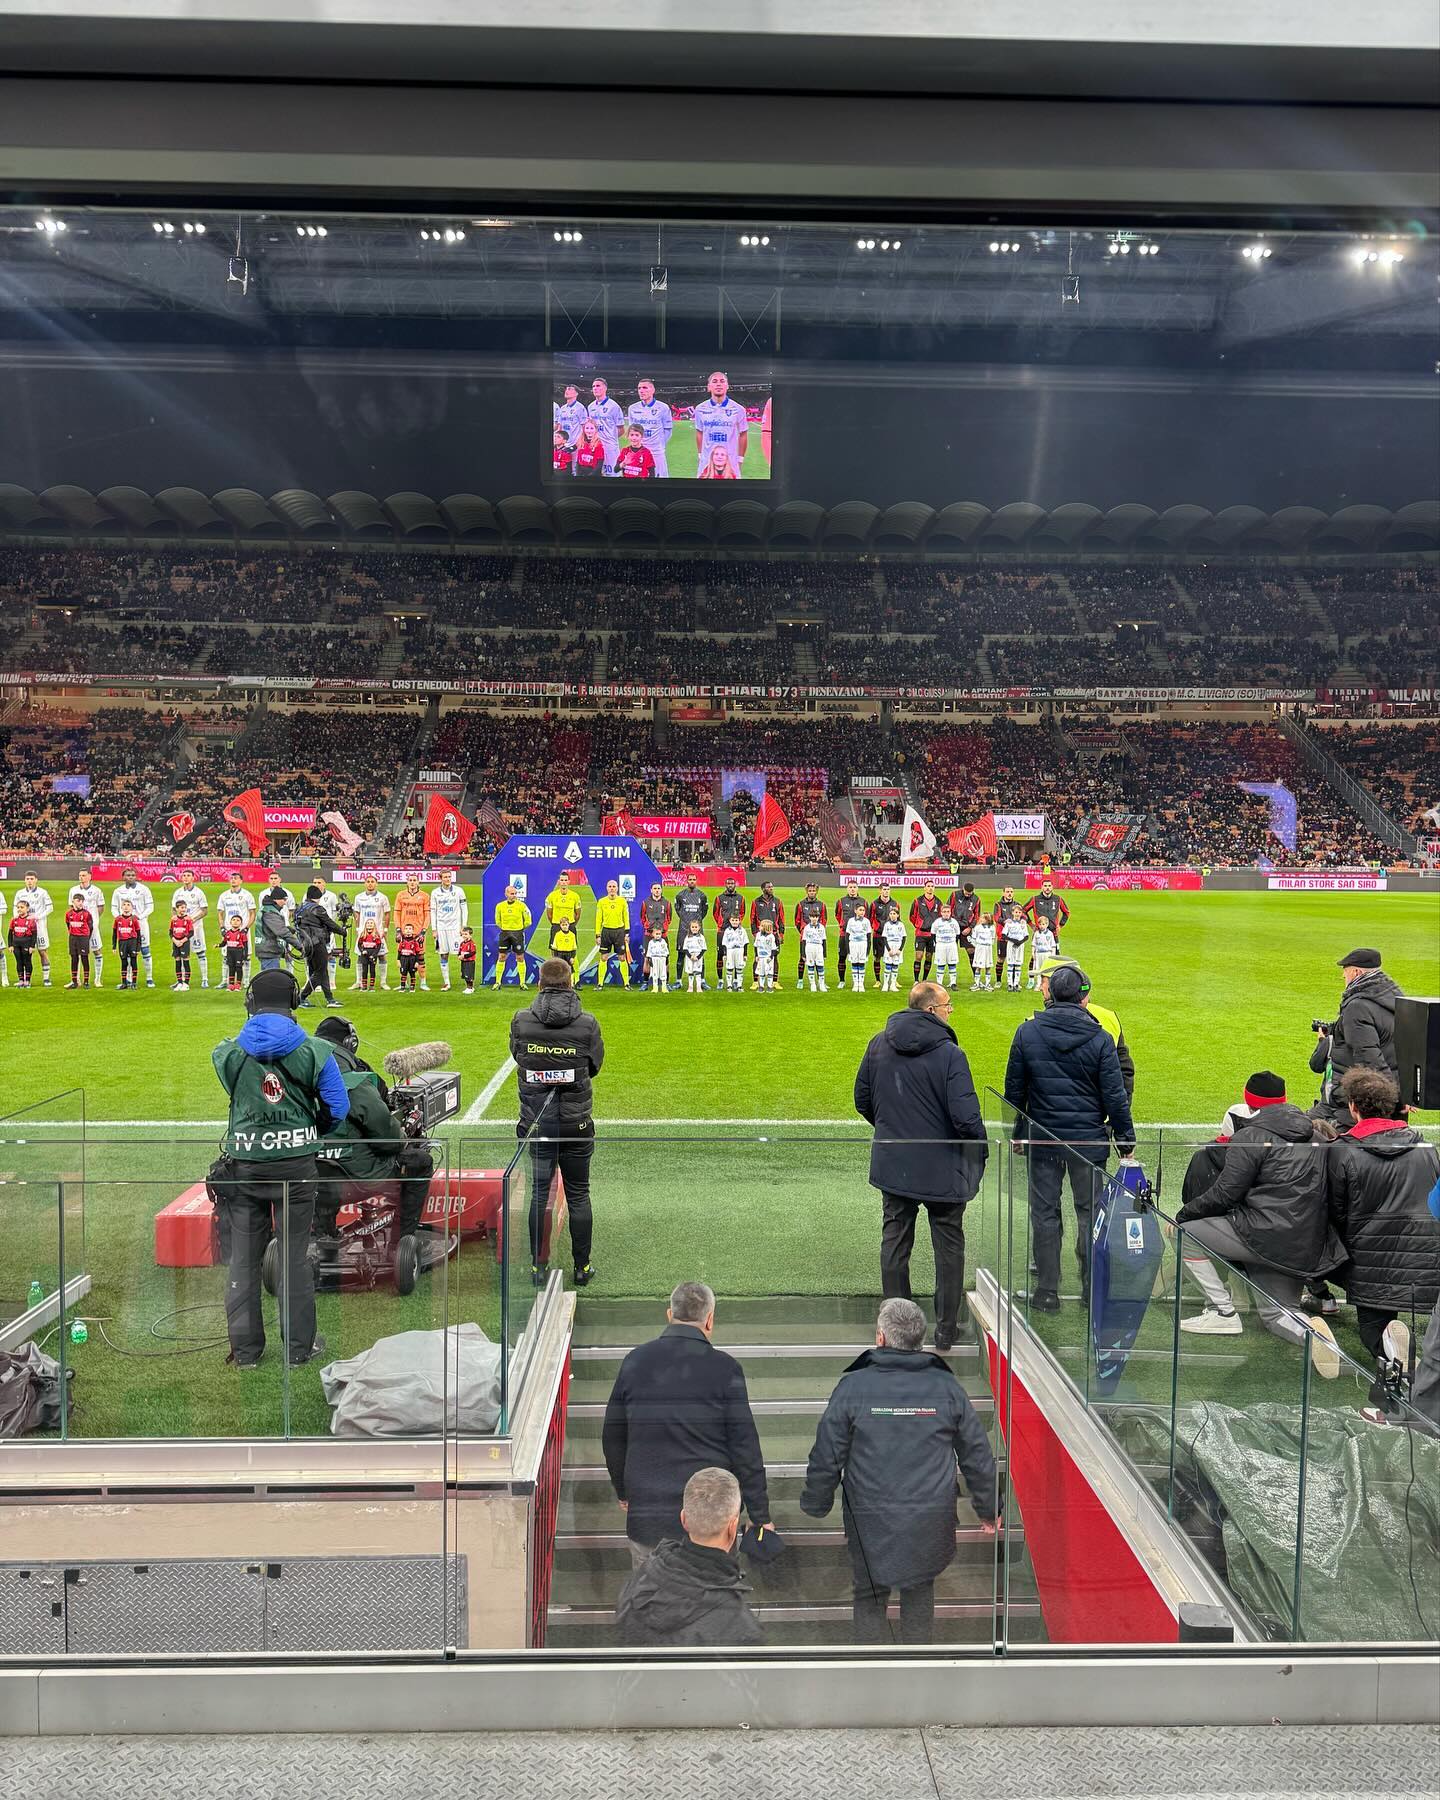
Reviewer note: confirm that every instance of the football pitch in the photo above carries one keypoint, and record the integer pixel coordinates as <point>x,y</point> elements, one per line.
<point>681,460</point>
<point>727,1144</point>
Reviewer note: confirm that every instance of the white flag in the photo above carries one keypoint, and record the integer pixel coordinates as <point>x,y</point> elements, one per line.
<point>917,840</point>
<point>349,841</point>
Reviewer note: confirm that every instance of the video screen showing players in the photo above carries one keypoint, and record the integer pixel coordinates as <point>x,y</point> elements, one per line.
<point>612,419</point>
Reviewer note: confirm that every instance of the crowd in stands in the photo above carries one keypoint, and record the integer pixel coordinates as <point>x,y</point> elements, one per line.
<point>1245,602</point>
<point>496,655</point>
<point>1063,662</point>
<point>1400,764</point>
<point>1390,598</point>
<point>124,753</point>
<point>1110,596</point>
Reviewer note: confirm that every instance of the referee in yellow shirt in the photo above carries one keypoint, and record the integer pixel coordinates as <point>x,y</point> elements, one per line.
<point>612,925</point>
<point>562,909</point>
<point>512,921</point>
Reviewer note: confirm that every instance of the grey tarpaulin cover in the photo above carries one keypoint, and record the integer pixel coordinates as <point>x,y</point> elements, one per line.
<point>29,1391</point>
<point>1369,1528</point>
<point>400,1387</point>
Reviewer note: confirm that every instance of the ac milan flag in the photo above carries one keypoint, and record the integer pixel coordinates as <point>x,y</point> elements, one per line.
<point>348,840</point>
<point>181,824</point>
<point>487,816</point>
<point>184,828</point>
<point>447,830</point>
<point>772,828</point>
<point>917,840</point>
<point>246,812</point>
<point>976,842</point>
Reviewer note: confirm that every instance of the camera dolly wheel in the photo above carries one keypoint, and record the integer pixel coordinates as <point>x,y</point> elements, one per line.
<point>407,1265</point>
<point>270,1267</point>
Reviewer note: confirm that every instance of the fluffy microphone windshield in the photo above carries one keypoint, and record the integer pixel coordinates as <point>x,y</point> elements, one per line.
<point>405,1064</point>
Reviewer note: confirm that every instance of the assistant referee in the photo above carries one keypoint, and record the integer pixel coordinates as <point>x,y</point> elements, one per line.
<point>612,925</point>
<point>512,921</point>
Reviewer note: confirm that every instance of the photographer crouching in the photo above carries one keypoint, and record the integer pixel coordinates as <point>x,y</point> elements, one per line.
<point>381,1140</point>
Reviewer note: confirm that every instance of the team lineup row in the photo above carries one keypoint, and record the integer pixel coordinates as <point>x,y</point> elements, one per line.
<point>587,435</point>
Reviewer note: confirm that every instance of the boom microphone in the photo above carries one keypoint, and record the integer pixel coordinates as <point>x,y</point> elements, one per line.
<point>413,1059</point>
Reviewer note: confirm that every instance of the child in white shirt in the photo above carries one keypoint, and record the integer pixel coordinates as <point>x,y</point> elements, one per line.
<point>982,955</point>
<point>946,935</point>
<point>1017,935</point>
<point>766,950</point>
<point>857,940</point>
<point>813,937</point>
<point>1043,945</point>
<point>657,960</point>
<point>892,936</point>
<point>694,951</point>
<point>734,942</point>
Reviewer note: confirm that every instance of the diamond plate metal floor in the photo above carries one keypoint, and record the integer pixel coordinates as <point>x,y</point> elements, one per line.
<point>1269,1763</point>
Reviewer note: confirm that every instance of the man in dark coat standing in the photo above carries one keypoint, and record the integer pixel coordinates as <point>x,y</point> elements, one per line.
<point>1064,1082</point>
<point>692,1593</point>
<point>914,1086</point>
<point>1362,1035</point>
<point>1378,1182</point>
<point>678,1405</point>
<point>891,1438</point>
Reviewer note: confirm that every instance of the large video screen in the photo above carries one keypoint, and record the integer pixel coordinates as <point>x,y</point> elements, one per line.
<point>613,418</point>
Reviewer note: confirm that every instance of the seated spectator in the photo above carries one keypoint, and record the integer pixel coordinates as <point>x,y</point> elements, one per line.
<point>690,1592</point>
<point>1257,1199</point>
<point>1378,1180</point>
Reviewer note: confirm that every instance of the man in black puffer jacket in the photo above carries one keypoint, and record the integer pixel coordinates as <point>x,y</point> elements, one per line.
<point>1378,1180</point>
<point>914,1086</point>
<point>690,1592</point>
<point>1064,1082</point>
<point>1361,1037</point>
<point>558,1051</point>
<point>1265,1214</point>
<point>314,928</point>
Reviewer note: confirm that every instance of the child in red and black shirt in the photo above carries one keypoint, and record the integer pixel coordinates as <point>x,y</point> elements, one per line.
<point>564,455</point>
<point>235,941</point>
<point>467,959</point>
<point>635,461</point>
<point>182,930</point>
<point>81,928</point>
<point>590,452</point>
<point>125,939</point>
<point>24,929</point>
<point>370,946</point>
<point>411,945</point>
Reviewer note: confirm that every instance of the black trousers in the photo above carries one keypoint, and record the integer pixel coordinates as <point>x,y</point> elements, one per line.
<point>924,955</point>
<point>947,1235</point>
<point>571,1155</point>
<point>261,1200</point>
<point>1048,1168</point>
<point>871,1626</point>
<point>317,971</point>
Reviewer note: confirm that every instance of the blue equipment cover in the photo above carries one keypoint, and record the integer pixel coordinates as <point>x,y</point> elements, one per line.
<point>1126,1246</point>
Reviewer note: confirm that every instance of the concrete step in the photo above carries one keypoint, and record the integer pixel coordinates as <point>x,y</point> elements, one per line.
<point>814,1571</point>
<point>757,1319</point>
<point>975,1624</point>
<point>770,1379</point>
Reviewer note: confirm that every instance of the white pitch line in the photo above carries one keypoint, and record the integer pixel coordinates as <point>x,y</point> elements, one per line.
<point>493,1087</point>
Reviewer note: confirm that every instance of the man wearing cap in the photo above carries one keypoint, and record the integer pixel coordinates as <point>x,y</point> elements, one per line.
<point>1109,1024</point>
<point>286,1094</point>
<point>1257,1199</point>
<point>1063,1081</point>
<point>1361,1037</point>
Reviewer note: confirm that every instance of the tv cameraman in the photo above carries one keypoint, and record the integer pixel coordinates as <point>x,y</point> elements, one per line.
<point>374,1144</point>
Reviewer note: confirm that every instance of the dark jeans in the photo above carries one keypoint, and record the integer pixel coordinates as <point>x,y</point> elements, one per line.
<point>571,1155</point>
<point>317,973</point>
<point>1048,1168</point>
<point>256,1200</point>
<point>917,1611</point>
<point>947,1235</point>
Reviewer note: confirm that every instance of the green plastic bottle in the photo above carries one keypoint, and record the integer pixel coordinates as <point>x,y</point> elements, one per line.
<point>37,1294</point>
<point>78,1333</point>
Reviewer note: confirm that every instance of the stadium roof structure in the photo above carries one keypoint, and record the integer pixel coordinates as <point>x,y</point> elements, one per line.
<point>631,521</point>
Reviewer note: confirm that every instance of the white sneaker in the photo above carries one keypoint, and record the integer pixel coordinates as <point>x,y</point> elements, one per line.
<point>1396,1343</point>
<point>204,985</point>
<point>1324,1351</point>
<point>823,988</point>
<point>1214,1323</point>
<point>425,987</point>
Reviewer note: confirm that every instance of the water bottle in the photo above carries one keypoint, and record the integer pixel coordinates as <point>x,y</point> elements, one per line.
<point>37,1294</point>
<point>78,1333</point>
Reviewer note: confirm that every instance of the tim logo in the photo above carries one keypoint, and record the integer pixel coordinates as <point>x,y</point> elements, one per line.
<point>573,852</point>
<point>627,887</point>
<point>272,1088</point>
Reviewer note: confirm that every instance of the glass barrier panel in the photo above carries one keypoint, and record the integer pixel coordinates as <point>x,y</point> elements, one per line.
<point>33,1324</point>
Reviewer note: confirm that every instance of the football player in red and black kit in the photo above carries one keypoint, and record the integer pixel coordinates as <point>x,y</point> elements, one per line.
<point>879,918</point>
<point>729,909</point>
<point>809,909</point>
<point>634,460</point>
<point>967,915</point>
<point>655,910</point>
<point>1049,906</point>
<point>765,906</point>
<point>851,904</point>
<point>1000,914</point>
<point>923,914</point>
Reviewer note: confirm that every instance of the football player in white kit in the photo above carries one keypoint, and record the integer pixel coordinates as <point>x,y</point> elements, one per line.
<point>449,915</point>
<point>570,416</point>
<point>720,424</point>
<point>87,893</point>
<point>655,420</point>
<point>41,907</point>
<point>372,908</point>
<point>607,418</point>
<point>142,904</point>
<point>196,906</point>
<point>945,933</point>
<point>813,938</point>
<point>734,942</point>
<point>892,937</point>
<point>857,946</point>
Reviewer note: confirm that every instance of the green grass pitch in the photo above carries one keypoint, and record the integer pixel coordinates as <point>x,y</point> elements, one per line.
<point>681,462</point>
<point>728,1146</point>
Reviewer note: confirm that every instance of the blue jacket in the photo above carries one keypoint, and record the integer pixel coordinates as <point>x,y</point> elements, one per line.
<point>1064,1077</point>
<point>914,1086</point>
<point>272,1035</point>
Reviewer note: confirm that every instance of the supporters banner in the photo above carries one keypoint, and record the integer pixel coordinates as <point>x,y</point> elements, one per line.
<point>706,874</point>
<point>976,841</point>
<point>170,871</point>
<point>1020,825</point>
<point>1119,880</point>
<point>917,840</point>
<point>71,784</point>
<point>347,841</point>
<point>1284,812</point>
<point>667,825</point>
<point>1181,693</point>
<point>772,828</point>
<point>246,812</point>
<point>288,818</point>
<point>1340,883</point>
<point>1105,837</point>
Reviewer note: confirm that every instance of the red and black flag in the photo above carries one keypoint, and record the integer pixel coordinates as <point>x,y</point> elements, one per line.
<point>246,812</point>
<point>185,828</point>
<point>447,830</point>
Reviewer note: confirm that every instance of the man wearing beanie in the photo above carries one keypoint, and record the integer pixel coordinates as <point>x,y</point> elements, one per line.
<point>286,1093</point>
<point>558,1051</point>
<point>314,927</point>
<point>1361,1037</point>
<point>1256,1198</point>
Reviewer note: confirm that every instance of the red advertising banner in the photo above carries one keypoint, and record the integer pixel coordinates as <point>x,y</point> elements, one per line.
<point>170,871</point>
<point>1123,880</point>
<point>289,818</point>
<point>706,874</point>
<point>669,825</point>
